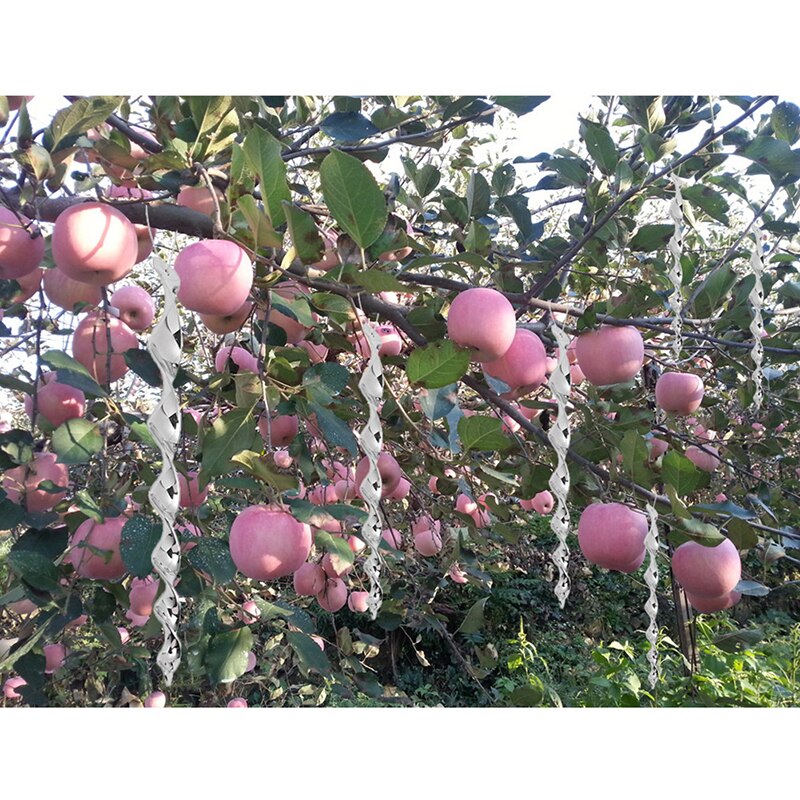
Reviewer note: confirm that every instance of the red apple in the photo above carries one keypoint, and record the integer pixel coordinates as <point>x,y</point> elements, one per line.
<point>199,199</point>
<point>388,468</point>
<point>56,402</point>
<point>334,595</point>
<point>227,323</point>
<point>281,430</point>
<point>523,367</point>
<point>309,579</point>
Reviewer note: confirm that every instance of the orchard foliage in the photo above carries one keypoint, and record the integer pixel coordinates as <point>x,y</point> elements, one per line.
<point>294,223</point>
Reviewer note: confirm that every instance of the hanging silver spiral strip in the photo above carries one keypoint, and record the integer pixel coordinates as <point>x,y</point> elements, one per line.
<point>370,437</point>
<point>675,271</point>
<point>651,605</point>
<point>757,328</point>
<point>164,423</point>
<point>559,435</point>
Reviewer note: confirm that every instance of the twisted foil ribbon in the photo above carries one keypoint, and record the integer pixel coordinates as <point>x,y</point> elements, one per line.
<point>559,435</point>
<point>675,271</point>
<point>164,423</point>
<point>651,605</point>
<point>370,437</point>
<point>756,298</point>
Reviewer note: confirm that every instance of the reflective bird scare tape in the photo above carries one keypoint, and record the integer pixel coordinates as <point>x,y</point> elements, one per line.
<point>559,435</point>
<point>651,605</point>
<point>164,423</point>
<point>370,437</point>
<point>757,328</point>
<point>675,271</point>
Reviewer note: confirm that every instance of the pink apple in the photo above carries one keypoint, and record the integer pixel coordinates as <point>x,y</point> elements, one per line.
<point>612,535</point>
<point>280,431</point>
<point>55,655</point>
<point>23,481</point>
<point>94,243</point>
<point>679,392</point>
<point>267,542</point>
<point>102,536</point>
<point>309,579</point>
<point>227,323</point>
<point>334,595</point>
<point>237,702</point>
<point>90,346</point>
<point>136,308</point>
<point>155,700</point>
<point>522,367</point>
<point>66,292</point>
<point>483,320</point>
<point>191,495</point>
<point>20,252</point>
<point>707,571</point>
<point>199,198</point>
<point>610,355</point>
<point>357,602</point>
<point>216,277</point>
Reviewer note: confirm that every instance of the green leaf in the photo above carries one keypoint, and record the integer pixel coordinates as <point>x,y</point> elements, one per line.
<point>679,472</point>
<point>78,380</point>
<point>702,532</point>
<point>140,535</point>
<point>785,120</point>
<point>212,556</point>
<point>503,179</point>
<point>264,234</point>
<point>775,155</point>
<point>348,126</point>
<point>438,364</point>
<point>77,118</point>
<point>708,200</point>
<point>714,291</point>
<point>258,467</point>
<point>76,441</point>
<point>741,534</point>
<point>308,244</point>
<point>308,652</point>
<point>624,177</point>
<point>59,360</point>
<point>426,179</point>
<point>527,696</point>
<point>600,145</point>
<point>36,160</point>
<point>635,457</point>
<point>482,433</point>
<point>478,196</point>
<point>324,381</point>
<point>651,237</point>
<point>520,104</point>
<point>263,154</point>
<point>226,656</point>
<point>34,569</point>
<point>678,506</point>
<point>338,548</point>
<point>473,621</point>
<point>353,197</point>
<point>335,431</point>
<point>231,433</point>
<point>208,112</point>
<point>375,280</point>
